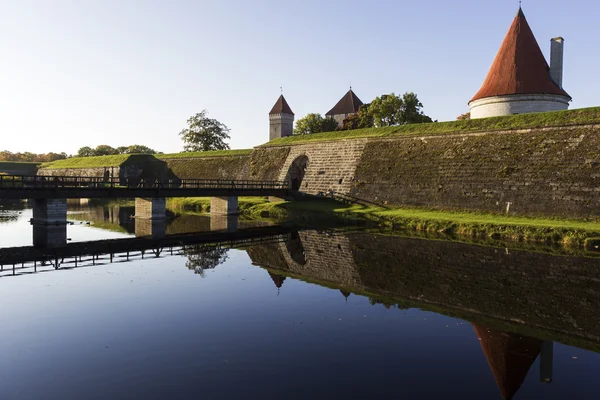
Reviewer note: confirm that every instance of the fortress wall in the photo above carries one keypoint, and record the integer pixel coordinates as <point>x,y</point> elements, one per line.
<point>551,292</point>
<point>546,171</point>
<point>215,167</point>
<point>559,293</point>
<point>18,168</point>
<point>97,172</point>
<point>536,172</point>
<point>331,165</point>
<point>328,258</point>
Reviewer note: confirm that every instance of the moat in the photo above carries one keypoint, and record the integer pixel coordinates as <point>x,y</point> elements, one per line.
<point>328,313</point>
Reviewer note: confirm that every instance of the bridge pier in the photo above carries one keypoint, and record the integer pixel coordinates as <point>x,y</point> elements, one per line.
<point>546,361</point>
<point>49,212</point>
<point>150,208</point>
<point>153,228</point>
<point>220,222</point>
<point>47,236</point>
<point>49,222</point>
<point>224,205</point>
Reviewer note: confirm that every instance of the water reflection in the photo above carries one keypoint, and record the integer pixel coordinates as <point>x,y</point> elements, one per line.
<point>523,307</point>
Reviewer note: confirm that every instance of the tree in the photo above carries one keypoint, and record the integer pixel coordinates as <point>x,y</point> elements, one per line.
<point>466,115</point>
<point>411,113</point>
<point>390,110</point>
<point>204,134</point>
<point>85,151</point>
<point>202,257</point>
<point>105,150</point>
<point>314,123</point>
<point>135,149</point>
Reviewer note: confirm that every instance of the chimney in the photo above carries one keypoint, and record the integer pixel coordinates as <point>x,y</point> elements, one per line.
<point>556,59</point>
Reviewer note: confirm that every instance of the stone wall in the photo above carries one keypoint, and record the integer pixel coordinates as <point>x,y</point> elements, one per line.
<point>331,165</point>
<point>553,171</point>
<point>18,168</point>
<point>96,172</point>
<point>553,292</point>
<point>216,167</point>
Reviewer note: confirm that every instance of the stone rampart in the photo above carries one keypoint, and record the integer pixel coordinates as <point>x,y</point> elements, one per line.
<point>537,172</point>
<point>551,292</point>
<point>545,171</point>
<point>216,167</point>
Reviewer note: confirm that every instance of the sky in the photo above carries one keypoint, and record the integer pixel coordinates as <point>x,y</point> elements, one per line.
<point>84,73</point>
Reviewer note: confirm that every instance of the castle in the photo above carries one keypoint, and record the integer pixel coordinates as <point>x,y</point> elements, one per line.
<point>519,81</point>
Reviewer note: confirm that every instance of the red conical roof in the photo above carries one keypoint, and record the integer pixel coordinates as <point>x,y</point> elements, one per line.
<point>281,107</point>
<point>509,356</point>
<point>519,66</point>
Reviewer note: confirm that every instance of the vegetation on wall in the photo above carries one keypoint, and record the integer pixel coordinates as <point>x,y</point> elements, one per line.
<point>88,162</point>
<point>212,153</point>
<point>522,121</point>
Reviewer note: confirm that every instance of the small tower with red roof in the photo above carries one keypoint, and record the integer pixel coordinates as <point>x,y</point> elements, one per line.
<point>520,80</point>
<point>281,119</point>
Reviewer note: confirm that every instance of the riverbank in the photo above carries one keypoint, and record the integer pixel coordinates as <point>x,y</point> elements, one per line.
<point>566,232</point>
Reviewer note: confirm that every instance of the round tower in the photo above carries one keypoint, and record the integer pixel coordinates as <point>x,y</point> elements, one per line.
<point>520,80</point>
<point>281,119</point>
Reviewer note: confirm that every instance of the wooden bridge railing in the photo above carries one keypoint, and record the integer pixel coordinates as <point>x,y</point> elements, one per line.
<point>63,182</point>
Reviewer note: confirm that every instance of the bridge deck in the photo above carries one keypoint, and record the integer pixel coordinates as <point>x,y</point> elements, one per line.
<point>44,187</point>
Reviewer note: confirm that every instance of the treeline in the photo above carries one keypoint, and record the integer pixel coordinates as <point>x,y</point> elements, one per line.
<point>106,150</point>
<point>31,157</point>
<point>86,151</point>
<point>385,110</point>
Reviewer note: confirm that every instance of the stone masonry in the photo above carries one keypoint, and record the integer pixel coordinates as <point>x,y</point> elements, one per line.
<point>331,165</point>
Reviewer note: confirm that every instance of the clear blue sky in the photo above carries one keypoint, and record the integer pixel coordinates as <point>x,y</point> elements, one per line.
<point>76,73</point>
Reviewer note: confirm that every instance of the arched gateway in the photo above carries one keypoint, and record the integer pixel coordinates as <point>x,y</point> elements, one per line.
<point>296,172</point>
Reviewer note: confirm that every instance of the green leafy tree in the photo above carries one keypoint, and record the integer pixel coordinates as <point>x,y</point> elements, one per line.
<point>204,134</point>
<point>412,110</point>
<point>85,151</point>
<point>390,110</point>
<point>314,123</point>
<point>135,149</point>
<point>105,150</point>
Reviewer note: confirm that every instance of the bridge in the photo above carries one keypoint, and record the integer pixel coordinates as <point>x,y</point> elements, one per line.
<point>26,260</point>
<point>49,193</point>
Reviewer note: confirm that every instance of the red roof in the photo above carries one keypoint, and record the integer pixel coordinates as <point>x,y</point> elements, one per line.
<point>519,66</point>
<point>281,107</point>
<point>509,356</point>
<point>348,104</point>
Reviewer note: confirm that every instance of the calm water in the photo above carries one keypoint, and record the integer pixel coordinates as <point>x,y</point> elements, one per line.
<point>318,314</point>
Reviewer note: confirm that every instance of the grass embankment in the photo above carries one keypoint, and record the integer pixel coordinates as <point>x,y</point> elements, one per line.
<point>467,224</point>
<point>88,162</point>
<point>522,121</point>
<point>213,153</point>
<point>202,204</point>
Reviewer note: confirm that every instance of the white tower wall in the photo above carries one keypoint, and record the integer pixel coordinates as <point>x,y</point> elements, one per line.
<point>517,104</point>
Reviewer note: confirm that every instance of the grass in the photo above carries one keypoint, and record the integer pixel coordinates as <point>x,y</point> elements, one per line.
<point>522,121</point>
<point>213,153</point>
<point>467,224</point>
<point>202,204</point>
<point>88,162</point>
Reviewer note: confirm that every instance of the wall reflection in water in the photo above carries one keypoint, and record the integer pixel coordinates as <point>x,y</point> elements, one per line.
<point>554,297</point>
